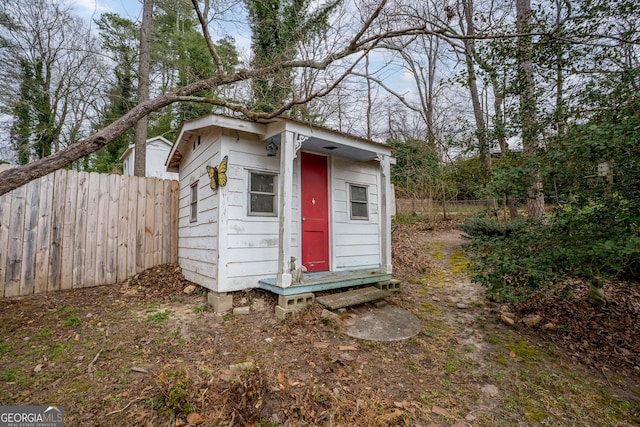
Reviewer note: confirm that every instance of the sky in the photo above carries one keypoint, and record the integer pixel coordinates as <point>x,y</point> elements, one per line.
<point>91,9</point>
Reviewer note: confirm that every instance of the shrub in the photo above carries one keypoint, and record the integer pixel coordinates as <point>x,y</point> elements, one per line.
<point>583,239</point>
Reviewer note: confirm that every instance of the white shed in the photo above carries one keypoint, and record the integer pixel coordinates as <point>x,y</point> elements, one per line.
<point>157,150</point>
<point>254,196</point>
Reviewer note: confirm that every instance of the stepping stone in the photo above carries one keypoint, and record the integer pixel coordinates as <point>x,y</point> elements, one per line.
<point>352,297</point>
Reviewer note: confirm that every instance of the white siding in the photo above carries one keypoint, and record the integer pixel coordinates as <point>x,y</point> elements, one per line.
<point>356,243</point>
<point>198,241</point>
<point>156,155</point>
<point>252,241</point>
<point>228,250</point>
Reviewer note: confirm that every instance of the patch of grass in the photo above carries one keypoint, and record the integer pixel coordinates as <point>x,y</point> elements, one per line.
<point>199,309</point>
<point>150,307</point>
<point>452,366</point>
<point>493,339</point>
<point>60,351</point>
<point>159,317</point>
<point>264,422</point>
<point>535,414</point>
<point>430,308</point>
<point>65,312</point>
<point>4,348</point>
<point>502,360</point>
<point>72,322</point>
<point>11,375</point>
<point>523,349</point>
<point>44,333</point>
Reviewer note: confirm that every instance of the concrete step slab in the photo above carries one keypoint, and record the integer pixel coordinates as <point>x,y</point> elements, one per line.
<point>352,297</point>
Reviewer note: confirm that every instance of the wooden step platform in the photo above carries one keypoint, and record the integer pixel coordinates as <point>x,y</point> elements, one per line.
<point>353,297</point>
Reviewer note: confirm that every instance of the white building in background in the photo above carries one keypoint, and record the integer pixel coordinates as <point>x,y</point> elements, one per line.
<point>157,151</point>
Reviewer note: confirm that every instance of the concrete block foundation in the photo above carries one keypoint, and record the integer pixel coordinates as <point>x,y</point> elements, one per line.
<point>220,301</point>
<point>289,304</point>
<point>392,285</point>
<point>297,301</point>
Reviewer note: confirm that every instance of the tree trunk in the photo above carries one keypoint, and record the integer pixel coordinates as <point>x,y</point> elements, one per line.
<point>481,128</point>
<point>140,158</point>
<point>560,63</point>
<point>535,196</point>
<point>369,98</point>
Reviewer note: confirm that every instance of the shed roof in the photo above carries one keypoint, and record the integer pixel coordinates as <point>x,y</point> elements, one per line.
<point>316,138</point>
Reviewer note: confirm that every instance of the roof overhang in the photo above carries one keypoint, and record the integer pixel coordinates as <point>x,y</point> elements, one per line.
<point>326,141</point>
<point>312,138</point>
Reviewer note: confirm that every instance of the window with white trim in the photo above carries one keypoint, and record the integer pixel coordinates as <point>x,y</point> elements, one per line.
<point>358,201</point>
<point>193,202</point>
<point>262,194</point>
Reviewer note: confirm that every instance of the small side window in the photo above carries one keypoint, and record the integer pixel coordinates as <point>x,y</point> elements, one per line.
<point>262,194</point>
<point>194,202</point>
<point>196,143</point>
<point>358,201</point>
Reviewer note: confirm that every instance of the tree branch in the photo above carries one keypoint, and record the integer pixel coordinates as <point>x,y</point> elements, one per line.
<point>205,32</point>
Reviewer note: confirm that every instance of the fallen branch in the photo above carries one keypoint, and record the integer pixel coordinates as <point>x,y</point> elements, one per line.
<point>90,367</point>
<point>126,406</point>
<point>605,376</point>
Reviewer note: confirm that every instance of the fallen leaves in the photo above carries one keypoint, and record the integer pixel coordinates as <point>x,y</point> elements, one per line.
<point>348,348</point>
<point>438,410</point>
<point>195,419</point>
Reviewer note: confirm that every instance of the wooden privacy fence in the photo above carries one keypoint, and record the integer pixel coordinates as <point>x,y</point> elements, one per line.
<point>75,229</point>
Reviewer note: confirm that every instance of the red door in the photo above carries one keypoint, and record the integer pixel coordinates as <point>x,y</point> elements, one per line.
<point>315,212</point>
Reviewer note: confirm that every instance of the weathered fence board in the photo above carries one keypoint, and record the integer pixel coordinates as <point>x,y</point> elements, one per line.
<point>5,209</point>
<point>30,233</point>
<point>69,230</point>
<point>44,230</point>
<point>140,223</point>
<point>76,229</point>
<point>57,231</point>
<point>112,229</point>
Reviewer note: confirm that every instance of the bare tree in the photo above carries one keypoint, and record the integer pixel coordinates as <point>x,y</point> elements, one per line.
<point>63,72</point>
<point>468,29</point>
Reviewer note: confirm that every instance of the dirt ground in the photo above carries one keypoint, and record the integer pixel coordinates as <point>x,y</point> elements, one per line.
<point>145,353</point>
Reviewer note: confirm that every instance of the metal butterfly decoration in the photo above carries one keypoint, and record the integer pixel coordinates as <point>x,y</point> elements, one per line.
<point>218,174</point>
